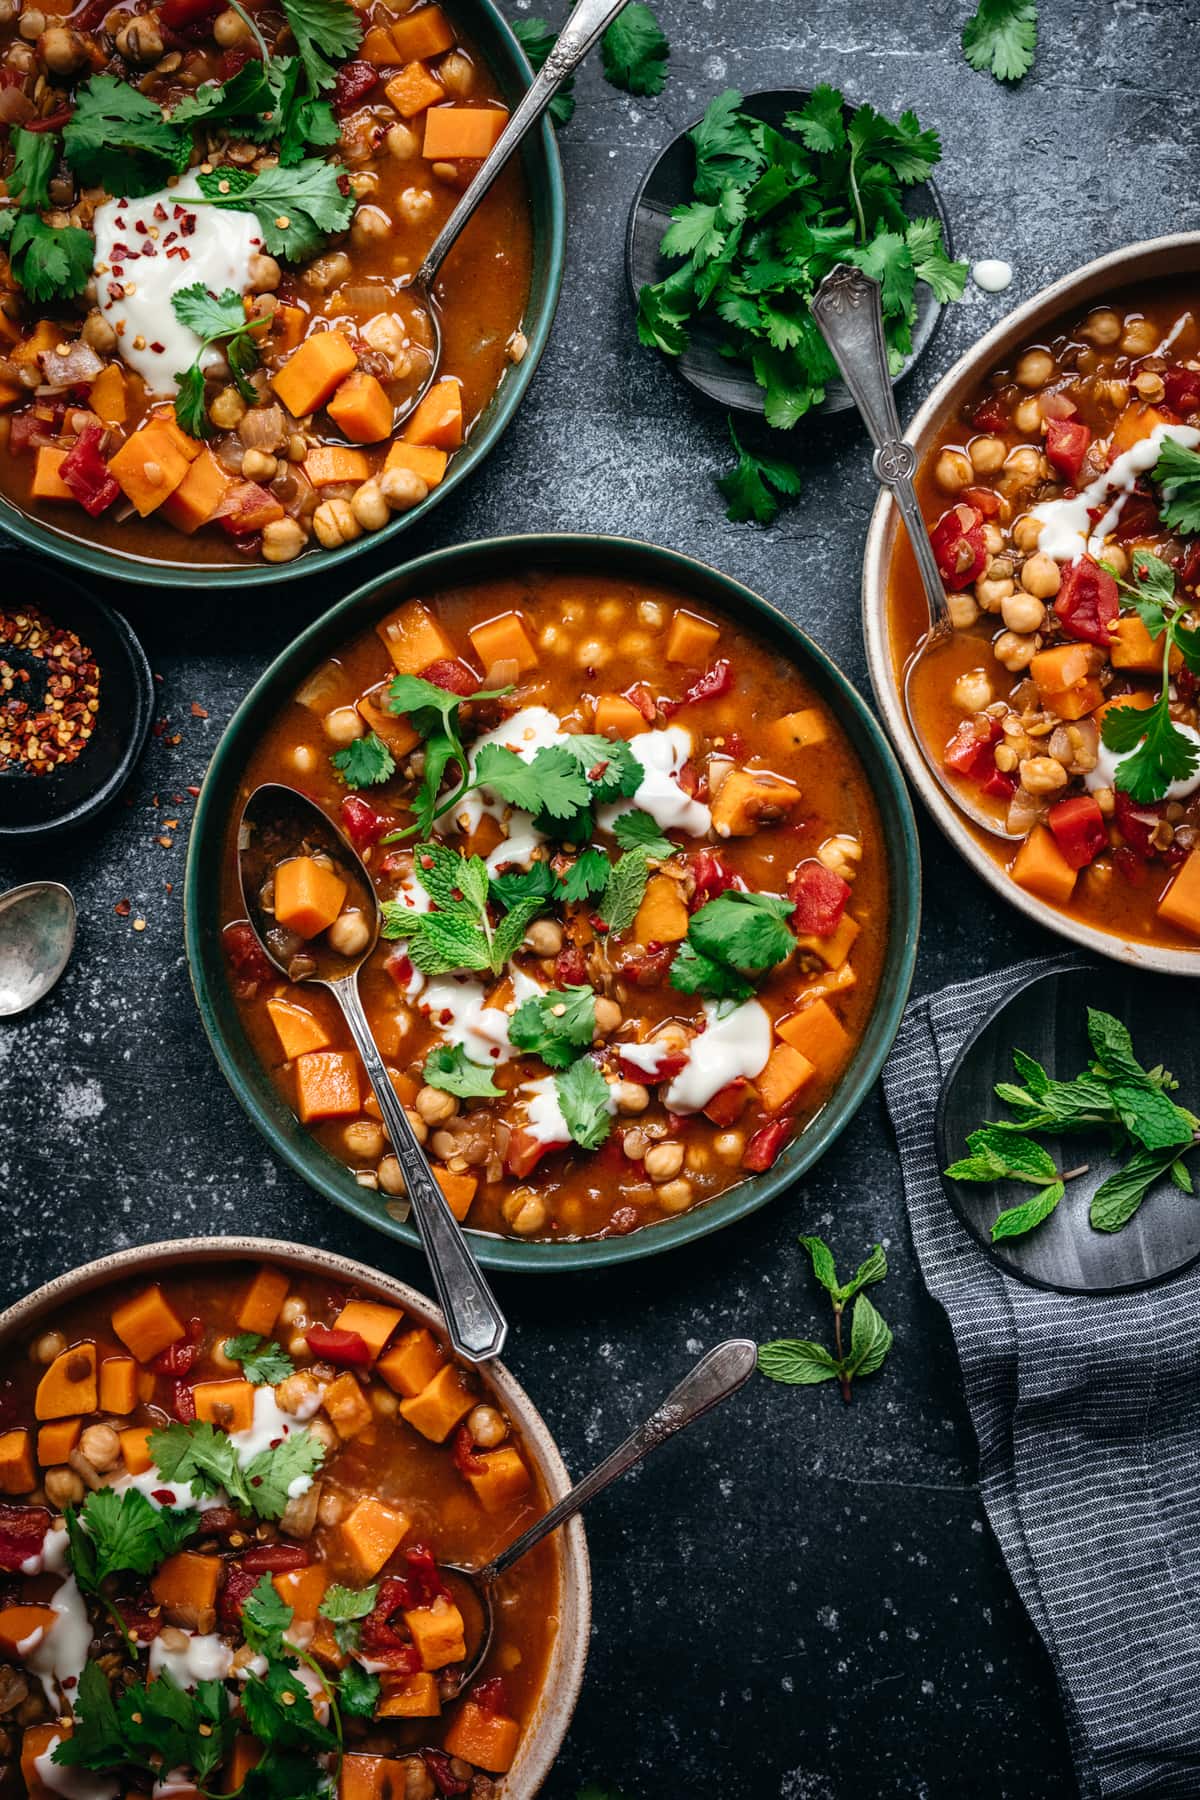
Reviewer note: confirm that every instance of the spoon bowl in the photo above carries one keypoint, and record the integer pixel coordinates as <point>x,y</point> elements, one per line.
<point>37,936</point>
<point>277,823</point>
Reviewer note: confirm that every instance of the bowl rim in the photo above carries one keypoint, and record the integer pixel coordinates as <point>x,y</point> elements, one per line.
<point>1120,267</point>
<point>441,568</point>
<point>511,65</point>
<point>560,1692</point>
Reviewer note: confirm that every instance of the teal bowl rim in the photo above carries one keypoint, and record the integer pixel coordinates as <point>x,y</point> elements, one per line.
<point>542,165</point>
<point>453,567</point>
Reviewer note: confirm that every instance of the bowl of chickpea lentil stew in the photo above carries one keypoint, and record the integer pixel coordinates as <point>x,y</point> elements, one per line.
<point>208,343</point>
<point>655,1019</point>
<point>280,1444</point>
<point>1059,477</point>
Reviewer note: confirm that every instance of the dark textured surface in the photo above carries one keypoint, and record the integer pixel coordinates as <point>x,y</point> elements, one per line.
<point>802,1601</point>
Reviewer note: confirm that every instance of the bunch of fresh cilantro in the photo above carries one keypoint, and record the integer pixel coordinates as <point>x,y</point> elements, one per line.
<point>1115,1095</point>
<point>1154,752</point>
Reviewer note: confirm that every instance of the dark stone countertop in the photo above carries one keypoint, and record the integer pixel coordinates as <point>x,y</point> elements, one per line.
<point>800,1601</point>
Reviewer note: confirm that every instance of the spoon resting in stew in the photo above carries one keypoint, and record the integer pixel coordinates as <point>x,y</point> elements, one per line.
<point>313,908</point>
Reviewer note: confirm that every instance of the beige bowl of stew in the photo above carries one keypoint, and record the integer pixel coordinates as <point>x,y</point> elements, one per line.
<point>566,1573</point>
<point>1129,273</point>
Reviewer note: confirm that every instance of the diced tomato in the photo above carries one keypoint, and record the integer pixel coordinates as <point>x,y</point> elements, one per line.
<point>361,823</point>
<point>399,967</point>
<point>692,782</point>
<point>184,1403</point>
<point>491,1696</point>
<point>1136,821</point>
<point>958,544</point>
<point>354,82</point>
<point>997,785</point>
<point>525,1152</point>
<point>1079,829</point>
<point>1088,602</point>
<point>668,1068</point>
<point>36,428</point>
<point>246,955</point>
<point>716,680</point>
<point>1067,443</point>
<point>766,1144</point>
<point>639,695</point>
<point>1189,568</point>
<point>463,1454</point>
<point>1130,866</point>
<point>143,1620</point>
<point>991,416</point>
<point>423,1582</point>
<point>22,1533</point>
<point>455,677</point>
<point>651,969</point>
<point>346,1348</point>
<point>177,15</point>
<point>85,472</point>
<point>570,967</point>
<point>1138,517</point>
<point>985,501</point>
<point>729,1103</point>
<point>448,1784</point>
<point>232,61</point>
<point>54,121</point>
<point>711,877</point>
<point>383,1641</point>
<point>1182,389</point>
<point>178,1358</point>
<point>820,898</point>
<point>247,507</point>
<point>275,1559</point>
<point>969,750</point>
<point>240,1583</point>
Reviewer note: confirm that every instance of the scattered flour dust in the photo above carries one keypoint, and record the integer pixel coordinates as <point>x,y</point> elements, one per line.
<point>80,1101</point>
<point>798,1784</point>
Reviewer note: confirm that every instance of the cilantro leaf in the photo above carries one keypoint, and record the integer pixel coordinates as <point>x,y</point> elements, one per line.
<point>586,1103</point>
<point>433,712</point>
<point>613,771</point>
<point>587,875</point>
<point>537,882</point>
<point>365,762</point>
<point>342,1603</point>
<point>326,33</point>
<point>1162,754</point>
<point>757,484</point>
<point>634,51</point>
<point>117,139</point>
<point>209,315</point>
<point>50,262</point>
<point>207,1459</point>
<point>747,931</point>
<point>551,782</point>
<point>692,973</point>
<point>266,1615</point>
<point>358,1692</point>
<point>114,1534</point>
<point>271,1474</point>
<point>308,197</point>
<point>264,1363</point>
<point>1000,37</point>
<point>664,307</point>
<point>279,1711</point>
<point>450,1068</point>
<point>213,318</point>
<point>249,96</point>
<point>555,1025</point>
<point>640,831</point>
<point>1177,473</point>
<point>537,39</point>
<point>623,890</point>
<point>34,156</point>
<point>96,1741</point>
<point>820,123</point>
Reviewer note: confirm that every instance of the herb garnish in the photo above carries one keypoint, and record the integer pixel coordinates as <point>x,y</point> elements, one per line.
<point>433,712</point>
<point>624,889</point>
<point>803,1363</point>
<point>537,37</point>
<point>207,1459</point>
<point>640,831</point>
<point>215,318</point>
<point>555,1025</point>
<point>1162,753</point>
<point>152,1727</point>
<point>296,207</point>
<point>729,939</point>
<point>450,1068</point>
<point>1001,37</point>
<point>121,1534</point>
<point>118,140</point>
<point>757,486</point>
<point>365,762</point>
<point>633,50</point>
<point>263,1362</point>
<point>1115,1094</point>
<point>345,1608</point>
<point>460,934</point>
<point>585,1100</point>
<point>1177,473</point>
<point>50,262</point>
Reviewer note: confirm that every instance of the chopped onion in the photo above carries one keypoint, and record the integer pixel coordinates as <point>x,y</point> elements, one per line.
<point>504,672</point>
<point>322,688</point>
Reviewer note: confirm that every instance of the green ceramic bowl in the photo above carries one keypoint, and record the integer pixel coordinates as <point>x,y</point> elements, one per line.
<point>542,169</point>
<point>458,568</point>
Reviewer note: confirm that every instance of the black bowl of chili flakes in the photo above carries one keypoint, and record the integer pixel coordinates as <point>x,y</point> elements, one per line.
<point>76,699</point>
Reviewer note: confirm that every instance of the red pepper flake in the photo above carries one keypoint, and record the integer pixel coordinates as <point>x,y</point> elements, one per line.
<point>37,737</point>
<point>141,227</point>
<point>166,842</point>
<point>160,211</point>
<point>194,792</point>
<point>198,711</point>
<point>158,348</point>
<point>123,908</point>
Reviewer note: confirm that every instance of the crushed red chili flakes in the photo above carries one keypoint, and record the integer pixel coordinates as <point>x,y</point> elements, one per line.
<point>38,736</point>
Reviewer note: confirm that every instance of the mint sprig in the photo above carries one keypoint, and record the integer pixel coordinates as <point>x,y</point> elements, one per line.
<point>803,1363</point>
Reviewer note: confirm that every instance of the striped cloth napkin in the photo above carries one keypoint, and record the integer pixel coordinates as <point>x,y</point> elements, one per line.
<point>1087,1413</point>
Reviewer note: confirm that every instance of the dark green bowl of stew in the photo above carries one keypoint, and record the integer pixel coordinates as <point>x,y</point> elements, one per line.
<point>855,752</point>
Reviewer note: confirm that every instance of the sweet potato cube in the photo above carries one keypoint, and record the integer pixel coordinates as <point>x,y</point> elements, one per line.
<point>1140,700</point>
<point>1135,423</point>
<point>147,1324</point>
<point>379,48</point>
<point>462,132</point>
<point>327,463</point>
<point>834,949</point>
<point>395,731</point>
<point>287,326</point>
<point>438,1633</point>
<point>135,1448</point>
<point>617,717</point>
<point>409,1697</point>
<point>42,338</point>
<point>800,730</point>
<point>258,1308</point>
<point>504,640</point>
<point>487,1739</point>
<point>662,917</point>
<point>1180,905</point>
<point>186,1584</point>
<point>246,1754</point>
<point>372,1533</point>
<point>1076,702</point>
<point>503,1479</point>
<point>148,467</point>
<point>324,1646</point>
<point>47,483</point>
<point>327,1086</point>
<point>118,1384</point>
<point>36,1741</point>
<point>229,1405</point>
<point>458,1189</point>
<point>1060,668</point>
<point>748,798</point>
<point>297,1029</point>
<point>1134,648</point>
<point>424,460</point>
<point>411,1363</point>
<point>1041,868</point>
<point>421,34</point>
<point>57,1440</point>
<point>312,372</point>
<point>362,409</point>
<point>373,1778</point>
<point>438,420</point>
<point>413,89</point>
<point>373,1323</point>
<point>167,423</point>
<point>437,1409</point>
<point>413,639</point>
<point>108,396</point>
<point>195,501</point>
<point>69,1384</point>
<point>308,895</point>
<point>20,1623</point>
<point>303,1590</point>
<point>817,1033</point>
<point>691,639</point>
<point>786,1073</point>
<point>11,394</point>
<point>347,1406</point>
<point>17,1473</point>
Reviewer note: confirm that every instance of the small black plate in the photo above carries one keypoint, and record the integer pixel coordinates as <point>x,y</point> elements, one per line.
<point>668,184</point>
<point>37,806</point>
<point>1048,1019</point>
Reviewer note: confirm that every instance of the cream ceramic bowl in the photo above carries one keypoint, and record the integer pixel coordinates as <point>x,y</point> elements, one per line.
<point>543,1738</point>
<point>1159,258</point>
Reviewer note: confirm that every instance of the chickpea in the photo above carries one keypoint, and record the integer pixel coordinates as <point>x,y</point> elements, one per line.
<point>221,1357</point>
<point>608,1016</point>
<point>297,1392</point>
<point>420,1129</point>
<point>631,1097</point>
<point>98,332</point>
<point>8,11</point>
<point>371,224</point>
<point>322,1430</point>
<point>1101,328</point>
<point>327,271</point>
<point>1140,337</point>
<point>593,654</point>
<point>229,28</point>
<point>963,610</point>
<point>672,1038</point>
<point>987,454</point>
<point>517,347</point>
<point>1117,558</point>
<point>487,1426</point>
<point>415,204</point>
<point>62,50</point>
<point>403,489</point>
<point>101,1446</point>
<point>227,410</point>
<point>444,1145</point>
<point>993,538</point>
<point>331,1508</point>
<point>260,465</point>
<point>391,1177</point>
<point>402,142</point>
<point>384,1402</point>
<point>1026,532</point>
<point>1025,464</point>
<point>1042,578</point>
<point>676,1196</point>
<point>335,524</point>
<point>1151,387</point>
<point>63,1487</point>
<point>953,471</point>
<point>369,506</point>
<point>436,1106</point>
<point>652,614</point>
<point>663,1161</point>
<point>1034,369</point>
<point>140,41</point>
<point>524,1212</point>
<point>282,540</point>
<point>45,1348</point>
<point>545,937</point>
<point>1022,612</point>
<point>342,725</point>
<point>972,691</point>
<point>292,1310</point>
<point>350,933</point>
<point>991,591</point>
<point>1028,416</point>
<point>297,448</point>
<point>33,23</point>
<point>456,73</point>
<point>1015,651</point>
<point>1042,775</point>
<point>729,1146</point>
<point>264,273</point>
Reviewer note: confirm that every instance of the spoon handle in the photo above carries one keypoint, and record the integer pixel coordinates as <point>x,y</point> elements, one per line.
<point>588,20</point>
<point>476,1325</point>
<point>718,1374</point>
<point>847,309</point>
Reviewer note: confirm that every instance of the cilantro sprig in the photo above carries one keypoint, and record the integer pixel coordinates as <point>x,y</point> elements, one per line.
<point>1154,751</point>
<point>433,712</point>
<point>757,486</point>
<point>585,1101</point>
<point>215,319</point>
<point>297,207</point>
<point>264,1363</point>
<point>207,1459</point>
<point>121,1534</point>
<point>802,1363</point>
<point>732,941</point>
<point>1000,38</point>
<point>365,762</point>
<point>1177,473</point>
<point>50,262</point>
<point>450,1068</point>
<point>633,50</point>
<point>555,1025</point>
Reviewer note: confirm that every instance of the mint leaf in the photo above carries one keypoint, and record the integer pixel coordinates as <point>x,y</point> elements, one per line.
<point>624,890</point>
<point>821,1257</point>
<point>797,1361</point>
<point>1116,1200</point>
<point>997,1154</point>
<point>450,1068</point>
<point>555,1025</point>
<point>870,1339</point>
<point>1017,1220</point>
<point>583,1095</point>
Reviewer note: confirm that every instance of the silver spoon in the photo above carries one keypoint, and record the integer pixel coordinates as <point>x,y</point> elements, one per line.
<point>587,22</point>
<point>718,1374</point>
<point>37,936</point>
<point>276,822</point>
<point>847,309</point>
